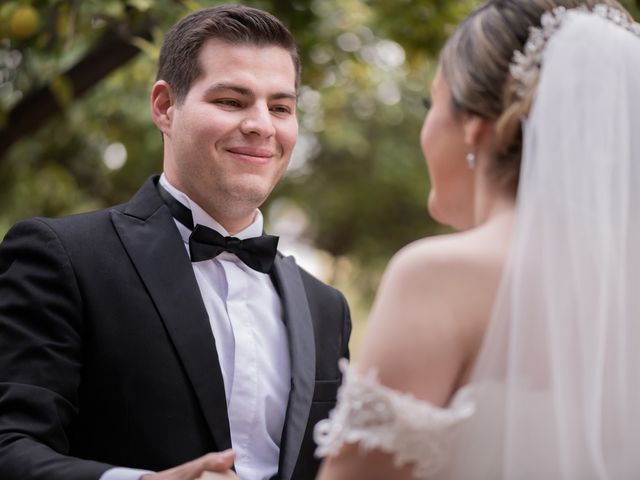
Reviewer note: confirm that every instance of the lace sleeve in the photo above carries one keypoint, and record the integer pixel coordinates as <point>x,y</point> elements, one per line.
<point>375,416</point>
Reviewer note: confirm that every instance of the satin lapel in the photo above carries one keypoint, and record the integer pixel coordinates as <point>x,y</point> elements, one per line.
<point>149,235</point>
<point>303,360</point>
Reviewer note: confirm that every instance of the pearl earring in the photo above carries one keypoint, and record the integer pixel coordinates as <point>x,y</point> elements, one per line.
<point>471,160</point>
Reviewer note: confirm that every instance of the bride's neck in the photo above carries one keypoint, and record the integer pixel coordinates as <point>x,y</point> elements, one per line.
<point>491,201</point>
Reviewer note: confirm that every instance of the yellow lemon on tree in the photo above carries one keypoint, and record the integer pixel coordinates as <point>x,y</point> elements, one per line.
<point>24,22</point>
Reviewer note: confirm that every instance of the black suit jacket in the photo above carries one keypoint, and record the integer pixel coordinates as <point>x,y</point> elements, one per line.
<point>107,357</point>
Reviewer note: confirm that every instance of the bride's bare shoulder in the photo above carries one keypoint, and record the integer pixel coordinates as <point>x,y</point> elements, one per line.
<point>464,254</point>
<point>431,310</point>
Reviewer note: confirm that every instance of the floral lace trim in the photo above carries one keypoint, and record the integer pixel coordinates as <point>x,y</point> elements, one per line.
<point>375,416</point>
<point>525,65</point>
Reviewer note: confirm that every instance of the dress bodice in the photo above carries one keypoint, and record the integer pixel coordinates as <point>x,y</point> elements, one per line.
<point>377,417</point>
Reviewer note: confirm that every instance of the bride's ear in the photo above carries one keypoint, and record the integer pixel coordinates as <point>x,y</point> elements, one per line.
<point>477,130</point>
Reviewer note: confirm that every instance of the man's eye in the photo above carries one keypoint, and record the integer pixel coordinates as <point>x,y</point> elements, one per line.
<point>228,102</point>
<point>426,102</point>
<point>281,109</point>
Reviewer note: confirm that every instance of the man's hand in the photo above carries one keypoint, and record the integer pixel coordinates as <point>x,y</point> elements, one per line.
<point>212,466</point>
<point>228,475</point>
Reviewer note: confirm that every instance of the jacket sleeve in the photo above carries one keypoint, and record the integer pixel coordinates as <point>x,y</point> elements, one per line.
<point>41,351</point>
<point>346,329</point>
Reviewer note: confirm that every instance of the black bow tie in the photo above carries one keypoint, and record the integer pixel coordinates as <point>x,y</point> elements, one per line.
<point>205,243</point>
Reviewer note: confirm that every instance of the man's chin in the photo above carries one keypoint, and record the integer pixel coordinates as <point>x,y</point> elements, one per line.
<point>250,196</point>
<point>252,188</point>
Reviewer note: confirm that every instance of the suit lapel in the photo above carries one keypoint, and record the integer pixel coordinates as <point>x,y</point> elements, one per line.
<point>149,235</point>
<point>303,360</point>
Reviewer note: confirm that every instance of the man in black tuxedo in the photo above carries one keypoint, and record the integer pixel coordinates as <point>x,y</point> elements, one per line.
<point>136,340</point>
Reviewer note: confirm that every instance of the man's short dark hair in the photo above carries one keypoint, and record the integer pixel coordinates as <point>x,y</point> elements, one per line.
<point>235,24</point>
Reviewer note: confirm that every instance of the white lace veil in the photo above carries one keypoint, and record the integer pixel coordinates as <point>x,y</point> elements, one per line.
<point>557,383</point>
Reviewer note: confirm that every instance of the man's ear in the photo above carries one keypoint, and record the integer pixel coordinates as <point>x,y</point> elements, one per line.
<point>162,105</point>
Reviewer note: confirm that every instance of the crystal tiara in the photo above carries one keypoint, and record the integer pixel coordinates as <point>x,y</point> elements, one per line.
<point>525,65</point>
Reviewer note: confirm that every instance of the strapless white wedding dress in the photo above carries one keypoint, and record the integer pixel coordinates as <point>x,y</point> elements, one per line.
<point>465,440</point>
<point>378,417</point>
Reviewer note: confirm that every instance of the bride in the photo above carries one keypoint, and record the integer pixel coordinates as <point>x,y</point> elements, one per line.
<point>511,349</point>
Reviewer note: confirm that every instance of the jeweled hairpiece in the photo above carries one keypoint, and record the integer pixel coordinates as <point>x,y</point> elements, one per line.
<point>525,65</point>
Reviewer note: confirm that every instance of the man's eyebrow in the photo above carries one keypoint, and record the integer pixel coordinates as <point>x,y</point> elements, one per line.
<point>284,95</point>
<point>247,92</point>
<point>228,86</point>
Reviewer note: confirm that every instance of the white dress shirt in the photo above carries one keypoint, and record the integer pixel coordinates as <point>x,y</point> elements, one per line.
<point>245,314</point>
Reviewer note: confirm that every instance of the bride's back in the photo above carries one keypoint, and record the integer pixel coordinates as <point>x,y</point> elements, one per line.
<point>432,309</point>
<point>424,334</point>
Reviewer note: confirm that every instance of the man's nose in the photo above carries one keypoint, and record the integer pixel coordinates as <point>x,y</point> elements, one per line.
<point>258,121</point>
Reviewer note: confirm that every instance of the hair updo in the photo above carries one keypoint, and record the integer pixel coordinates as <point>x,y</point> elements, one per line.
<point>475,65</point>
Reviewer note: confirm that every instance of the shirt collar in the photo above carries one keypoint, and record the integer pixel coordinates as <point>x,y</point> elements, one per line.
<point>200,217</point>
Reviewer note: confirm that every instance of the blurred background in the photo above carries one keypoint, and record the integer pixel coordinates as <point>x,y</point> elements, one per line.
<point>76,133</point>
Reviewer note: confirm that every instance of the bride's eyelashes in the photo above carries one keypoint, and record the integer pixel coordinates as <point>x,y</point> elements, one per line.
<point>426,102</point>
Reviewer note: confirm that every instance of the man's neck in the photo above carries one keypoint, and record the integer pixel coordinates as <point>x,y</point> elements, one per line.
<point>232,225</point>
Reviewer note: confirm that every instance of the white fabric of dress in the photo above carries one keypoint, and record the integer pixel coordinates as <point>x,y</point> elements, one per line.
<point>555,390</point>
<point>375,416</point>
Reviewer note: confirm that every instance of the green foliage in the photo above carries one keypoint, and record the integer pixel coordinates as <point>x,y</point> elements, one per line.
<point>358,173</point>
<point>361,180</point>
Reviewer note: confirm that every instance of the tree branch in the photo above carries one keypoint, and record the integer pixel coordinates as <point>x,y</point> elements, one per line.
<point>111,52</point>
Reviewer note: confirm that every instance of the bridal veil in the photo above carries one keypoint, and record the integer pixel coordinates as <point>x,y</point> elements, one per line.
<point>557,383</point>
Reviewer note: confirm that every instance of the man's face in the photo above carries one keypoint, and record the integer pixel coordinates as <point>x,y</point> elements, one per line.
<point>230,140</point>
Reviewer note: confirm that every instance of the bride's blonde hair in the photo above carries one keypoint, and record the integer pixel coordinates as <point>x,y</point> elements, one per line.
<point>475,65</point>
